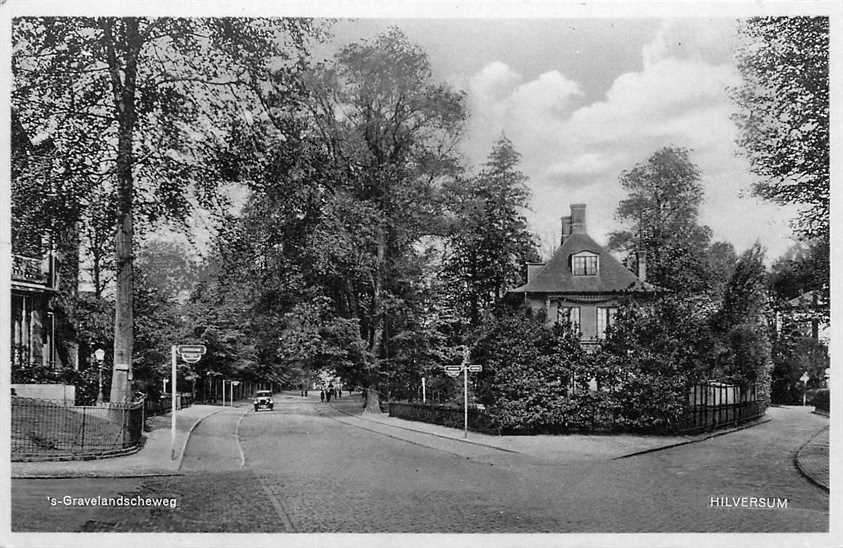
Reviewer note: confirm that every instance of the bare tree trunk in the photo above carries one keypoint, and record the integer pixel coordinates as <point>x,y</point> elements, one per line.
<point>124,100</point>
<point>372,396</point>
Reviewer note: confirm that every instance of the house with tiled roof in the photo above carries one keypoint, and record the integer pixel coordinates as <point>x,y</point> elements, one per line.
<point>582,282</point>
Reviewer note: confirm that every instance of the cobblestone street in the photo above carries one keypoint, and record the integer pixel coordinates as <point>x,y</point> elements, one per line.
<point>305,467</point>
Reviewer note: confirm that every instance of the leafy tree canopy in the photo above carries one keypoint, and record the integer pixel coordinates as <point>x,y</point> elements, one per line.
<point>784,113</point>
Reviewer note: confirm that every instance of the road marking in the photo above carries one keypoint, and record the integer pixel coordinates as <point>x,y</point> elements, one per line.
<point>237,437</point>
<point>279,508</point>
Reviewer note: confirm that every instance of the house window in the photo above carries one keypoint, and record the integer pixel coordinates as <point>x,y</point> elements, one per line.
<point>605,318</point>
<point>584,265</point>
<point>570,314</point>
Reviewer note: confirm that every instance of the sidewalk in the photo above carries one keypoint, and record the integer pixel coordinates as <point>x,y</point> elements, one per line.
<point>557,449</point>
<point>812,459</point>
<point>153,459</point>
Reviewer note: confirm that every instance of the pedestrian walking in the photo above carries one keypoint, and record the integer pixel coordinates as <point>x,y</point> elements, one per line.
<point>329,393</point>
<point>322,396</point>
<point>301,389</point>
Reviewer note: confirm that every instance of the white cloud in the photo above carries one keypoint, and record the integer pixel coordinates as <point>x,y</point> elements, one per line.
<point>500,100</point>
<point>573,150</point>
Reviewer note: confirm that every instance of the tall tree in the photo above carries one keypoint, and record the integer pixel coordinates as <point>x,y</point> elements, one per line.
<point>391,131</point>
<point>784,114</point>
<point>662,208</point>
<point>489,240</point>
<point>721,261</point>
<point>743,325</point>
<point>137,104</point>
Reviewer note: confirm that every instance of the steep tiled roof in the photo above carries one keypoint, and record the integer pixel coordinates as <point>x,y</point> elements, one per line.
<point>556,275</point>
<point>809,299</point>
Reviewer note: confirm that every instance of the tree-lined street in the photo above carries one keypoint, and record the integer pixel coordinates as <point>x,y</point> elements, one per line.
<point>328,205</point>
<point>311,468</point>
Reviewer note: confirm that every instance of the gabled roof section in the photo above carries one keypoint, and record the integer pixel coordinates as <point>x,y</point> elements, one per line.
<point>556,276</point>
<point>809,299</point>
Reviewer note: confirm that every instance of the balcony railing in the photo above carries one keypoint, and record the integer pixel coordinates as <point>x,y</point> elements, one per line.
<point>27,269</point>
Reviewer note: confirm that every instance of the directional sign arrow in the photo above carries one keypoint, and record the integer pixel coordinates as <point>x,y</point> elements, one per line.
<point>475,368</point>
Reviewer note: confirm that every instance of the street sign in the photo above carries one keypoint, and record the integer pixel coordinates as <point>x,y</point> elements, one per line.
<point>191,353</point>
<point>192,348</point>
<point>475,368</point>
<point>804,377</point>
<point>453,369</point>
<point>235,383</point>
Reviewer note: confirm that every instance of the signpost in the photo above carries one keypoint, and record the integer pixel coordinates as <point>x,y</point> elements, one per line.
<point>465,368</point>
<point>191,353</point>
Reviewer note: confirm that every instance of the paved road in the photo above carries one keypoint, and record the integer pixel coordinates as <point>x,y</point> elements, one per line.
<point>307,468</point>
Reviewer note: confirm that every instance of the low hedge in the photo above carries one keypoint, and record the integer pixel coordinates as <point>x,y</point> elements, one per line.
<point>446,415</point>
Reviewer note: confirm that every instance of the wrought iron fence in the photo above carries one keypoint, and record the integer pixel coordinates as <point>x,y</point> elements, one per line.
<point>711,405</point>
<point>715,405</point>
<point>163,404</point>
<point>45,429</point>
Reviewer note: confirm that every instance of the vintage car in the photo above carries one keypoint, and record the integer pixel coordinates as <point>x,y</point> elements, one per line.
<point>263,400</point>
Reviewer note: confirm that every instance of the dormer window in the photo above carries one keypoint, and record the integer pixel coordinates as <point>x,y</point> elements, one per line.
<point>585,264</point>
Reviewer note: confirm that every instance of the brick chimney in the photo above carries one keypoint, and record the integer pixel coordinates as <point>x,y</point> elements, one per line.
<point>641,260</point>
<point>566,228</point>
<point>577,218</point>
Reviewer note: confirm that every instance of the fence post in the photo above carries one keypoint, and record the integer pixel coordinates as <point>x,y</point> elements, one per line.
<point>84,414</point>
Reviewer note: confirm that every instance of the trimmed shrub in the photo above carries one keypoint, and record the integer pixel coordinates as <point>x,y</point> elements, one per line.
<point>446,415</point>
<point>529,370</point>
<point>820,398</point>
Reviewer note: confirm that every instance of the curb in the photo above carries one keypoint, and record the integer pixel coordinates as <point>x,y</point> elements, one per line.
<point>84,457</point>
<point>64,475</point>
<point>237,439</point>
<point>430,433</point>
<point>96,475</point>
<point>801,470</point>
<point>697,440</point>
<point>190,431</point>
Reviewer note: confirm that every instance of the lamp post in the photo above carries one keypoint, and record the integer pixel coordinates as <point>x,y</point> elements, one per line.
<point>99,354</point>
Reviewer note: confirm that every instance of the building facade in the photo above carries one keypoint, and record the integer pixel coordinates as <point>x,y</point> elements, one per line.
<point>582,282</point>
<point>34,284</point>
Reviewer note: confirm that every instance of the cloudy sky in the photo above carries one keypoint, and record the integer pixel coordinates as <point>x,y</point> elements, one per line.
<point>584,99</point>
